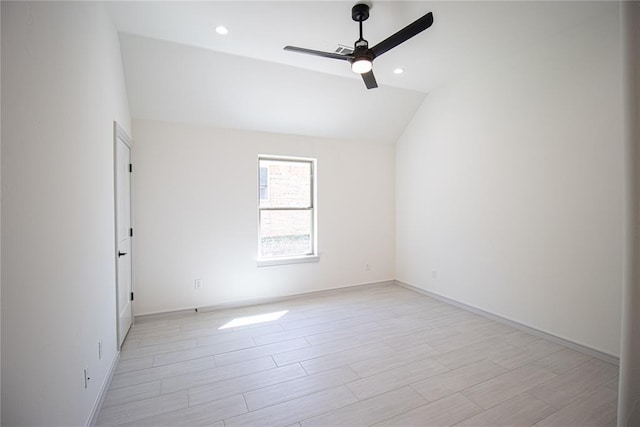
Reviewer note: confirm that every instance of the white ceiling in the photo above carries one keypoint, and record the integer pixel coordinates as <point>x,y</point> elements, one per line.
<point>178,69</point>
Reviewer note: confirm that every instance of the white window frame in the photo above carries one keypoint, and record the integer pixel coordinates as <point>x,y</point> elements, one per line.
<point>283,260</point>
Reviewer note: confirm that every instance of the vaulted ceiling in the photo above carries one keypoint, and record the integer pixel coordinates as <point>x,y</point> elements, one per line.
<point>179,69</point>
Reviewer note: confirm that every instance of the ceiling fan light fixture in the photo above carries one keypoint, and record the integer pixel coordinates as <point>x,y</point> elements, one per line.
<point>361,65</point>
<point>222,30</point>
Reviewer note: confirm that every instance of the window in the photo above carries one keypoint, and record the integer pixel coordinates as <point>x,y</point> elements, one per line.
<point>286,210</point>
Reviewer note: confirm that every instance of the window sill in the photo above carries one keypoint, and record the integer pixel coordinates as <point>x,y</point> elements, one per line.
<point>268,262</point>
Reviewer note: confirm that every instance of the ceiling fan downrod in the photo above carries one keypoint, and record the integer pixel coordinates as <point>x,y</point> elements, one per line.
<point>360,13</point>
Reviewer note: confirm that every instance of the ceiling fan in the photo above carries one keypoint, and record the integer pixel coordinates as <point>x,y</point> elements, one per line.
<point>361,59</point>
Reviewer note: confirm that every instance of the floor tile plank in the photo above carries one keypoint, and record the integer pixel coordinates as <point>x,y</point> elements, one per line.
<point>562,360</point>
<point>161,372</point>
<point>346,357</point>
<point>444,412</point>
<point>442,385</point>
<point>242,384</point>
<point>134,411</point>
<point>301,386</point>
<point>597,408</point>
<point>369,411</point>
<point>395,378</point>
<point>521,410</point>
<point>384,362</point>
<point>503,387</point>
<point>188,380</point>
<point>583,379</point>
<point>132,393</point>
<point>209,414</point>
<point>295,410</point>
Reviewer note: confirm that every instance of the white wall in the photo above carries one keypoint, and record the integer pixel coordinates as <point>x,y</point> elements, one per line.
<point>0,226</point>
<point>510,185</point>
<point>196,215</point>
<point>629,384</point>
<point>63,87</point>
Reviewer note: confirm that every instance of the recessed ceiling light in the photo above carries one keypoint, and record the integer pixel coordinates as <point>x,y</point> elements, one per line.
<point>222,30</point>
<point>398,71</point>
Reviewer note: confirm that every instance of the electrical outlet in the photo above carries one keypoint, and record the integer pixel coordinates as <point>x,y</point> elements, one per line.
<point>197,284</point>
<point>99,350</point>
<point>86,378</point>
<point>367,267</point>
<point>434,274</point>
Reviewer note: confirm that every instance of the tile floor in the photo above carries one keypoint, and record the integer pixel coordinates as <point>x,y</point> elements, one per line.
<point>375,355</point>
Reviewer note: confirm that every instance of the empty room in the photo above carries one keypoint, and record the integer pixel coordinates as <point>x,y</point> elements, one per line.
<point>320,213</point>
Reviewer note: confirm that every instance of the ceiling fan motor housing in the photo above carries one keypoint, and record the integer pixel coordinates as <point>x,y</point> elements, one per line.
<point>361,53</point>
<point>360,12</point>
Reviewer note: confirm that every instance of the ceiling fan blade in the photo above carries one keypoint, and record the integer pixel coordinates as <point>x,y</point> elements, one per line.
<point>416,27</point>
<point>318,53</point>
<point>369,80</point>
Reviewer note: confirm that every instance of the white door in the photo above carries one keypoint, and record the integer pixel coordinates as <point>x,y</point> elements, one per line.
<point>123,232</point>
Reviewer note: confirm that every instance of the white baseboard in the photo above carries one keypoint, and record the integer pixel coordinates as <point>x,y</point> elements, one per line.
<point>95,411</point>
<point>266,300</point>
<point>562,341</point>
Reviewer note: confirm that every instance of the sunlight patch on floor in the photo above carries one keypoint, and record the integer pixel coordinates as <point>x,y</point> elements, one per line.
<point>252,320</point>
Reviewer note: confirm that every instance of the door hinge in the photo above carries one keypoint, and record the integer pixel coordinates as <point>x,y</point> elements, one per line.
<point>130,167</point>
<point>131,296</point>
<point>131,232</point>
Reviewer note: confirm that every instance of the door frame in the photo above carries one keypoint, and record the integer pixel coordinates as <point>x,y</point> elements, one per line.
<point>120,134</point>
